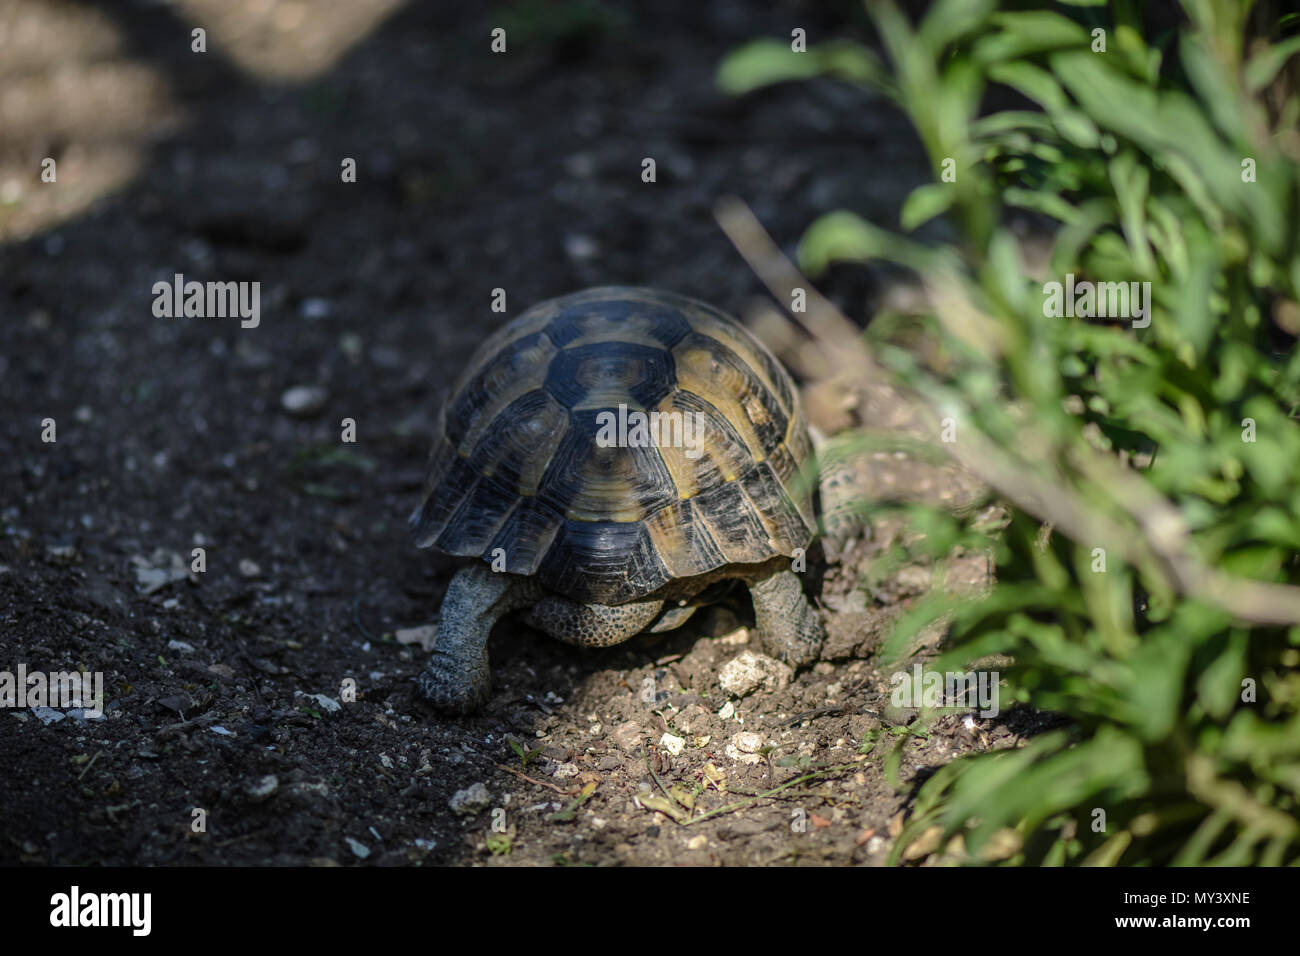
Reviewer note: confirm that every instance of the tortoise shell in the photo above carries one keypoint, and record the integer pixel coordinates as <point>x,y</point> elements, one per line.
<point>525,461</point>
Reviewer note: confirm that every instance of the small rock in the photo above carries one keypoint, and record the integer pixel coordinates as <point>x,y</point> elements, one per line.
<point>691,716</point>
<point>727,712</point>
<point>734,755</point>
<point>748,672</point>
<point>264,788</point>
<point>61,553</point>
<point>158,570</point>
<point>913,578</point>
<point>748,742</point>
<point>856,633</point>
<point>735,638</point>
<point>470,801</point>
<point>1003,844</point>
<point>359,849</point>
<point>222,731</point>
<point>316,308</point>
<point>248,568</point>
<point>673,744</point>
<point>424,636</point>
<point>626,736</point>
<point>48,715</point>
<point>304,399</point>
<point>181,646</point>
<point>925,844</point>
<point>581,248</point>
<point>327,704</point>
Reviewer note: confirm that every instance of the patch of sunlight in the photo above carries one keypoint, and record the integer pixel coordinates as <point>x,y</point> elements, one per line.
<point>285,40</point>
<point>68,94</point>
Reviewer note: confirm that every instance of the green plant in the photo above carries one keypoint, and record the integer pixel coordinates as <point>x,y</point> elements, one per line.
<point>1146,576</point>
<point>524,755</point>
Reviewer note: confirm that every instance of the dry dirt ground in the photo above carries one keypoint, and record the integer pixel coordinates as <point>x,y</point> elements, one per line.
<point>475,171</point>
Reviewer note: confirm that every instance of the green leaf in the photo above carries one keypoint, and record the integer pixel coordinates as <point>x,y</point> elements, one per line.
<point>924,203</point>
<point>1024,33</point>
<point>1265,65</point>
<point>839,236</point>
<point>765,62</point>
<point>762,63</point>
<point>950,20</point>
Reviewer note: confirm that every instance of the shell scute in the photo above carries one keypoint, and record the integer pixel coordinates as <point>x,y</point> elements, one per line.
<point>521,466</point>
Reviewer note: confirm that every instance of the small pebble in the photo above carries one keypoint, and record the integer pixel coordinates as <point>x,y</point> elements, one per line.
<point>470,801</point>
<point>327,704</point>
<point>316,308</point>
<point>672,743</point>
<point>264,788</point>
<point>749,671</point>
<point>303,399</point>
<point>48,715</point>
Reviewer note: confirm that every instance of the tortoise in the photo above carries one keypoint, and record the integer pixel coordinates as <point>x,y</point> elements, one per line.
<point>606,460</point>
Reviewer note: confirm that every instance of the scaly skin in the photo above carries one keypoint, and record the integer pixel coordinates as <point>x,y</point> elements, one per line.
<point>458,679</point>
<point>788,627</point>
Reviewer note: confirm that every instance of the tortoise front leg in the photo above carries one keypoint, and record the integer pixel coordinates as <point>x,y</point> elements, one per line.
<point>788,627</point>
<point>457,679</point>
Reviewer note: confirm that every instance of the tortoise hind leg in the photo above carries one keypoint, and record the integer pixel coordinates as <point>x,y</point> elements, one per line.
<point>788,627</point>
<point>843,488</point>
<point>591,625</point>
<point>457,679</point>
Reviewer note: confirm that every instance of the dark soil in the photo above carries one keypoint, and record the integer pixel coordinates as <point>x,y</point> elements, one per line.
<point>475,172</point>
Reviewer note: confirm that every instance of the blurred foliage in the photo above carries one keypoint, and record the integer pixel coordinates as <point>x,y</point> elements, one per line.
<point>1134,164</point>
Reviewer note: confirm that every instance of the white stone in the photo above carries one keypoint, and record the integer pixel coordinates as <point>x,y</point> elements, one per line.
<point>470,801</point>
<point>747,672</point>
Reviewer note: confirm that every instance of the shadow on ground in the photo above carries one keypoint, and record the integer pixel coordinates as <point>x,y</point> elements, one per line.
<point>474,172</point>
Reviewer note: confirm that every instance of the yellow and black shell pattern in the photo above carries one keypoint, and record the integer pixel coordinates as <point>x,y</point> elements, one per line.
<point>520,471</point>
